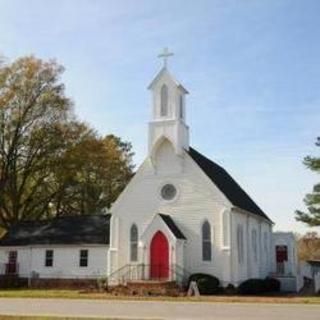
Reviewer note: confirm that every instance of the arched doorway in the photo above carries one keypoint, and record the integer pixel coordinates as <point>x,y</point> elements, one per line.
<point>159,257</point>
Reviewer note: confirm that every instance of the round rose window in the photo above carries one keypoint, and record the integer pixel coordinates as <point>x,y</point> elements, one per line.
<point>168,192</point>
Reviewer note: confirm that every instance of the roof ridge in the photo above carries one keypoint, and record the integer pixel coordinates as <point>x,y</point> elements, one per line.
<point>208,159</point>
<point>62,217</point>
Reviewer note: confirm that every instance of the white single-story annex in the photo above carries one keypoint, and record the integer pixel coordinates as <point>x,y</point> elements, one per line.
<point>180,214</point>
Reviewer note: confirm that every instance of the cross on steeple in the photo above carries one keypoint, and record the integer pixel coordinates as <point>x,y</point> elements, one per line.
<point>165,55</point>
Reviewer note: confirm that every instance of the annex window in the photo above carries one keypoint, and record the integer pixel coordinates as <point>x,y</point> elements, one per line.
<point>240,244</point>
<point>134,243</point>
<point>206,242</point>
<point>164,101</point>
<point>254,244</point>
<point>84,255</point>
<point>49,258</point>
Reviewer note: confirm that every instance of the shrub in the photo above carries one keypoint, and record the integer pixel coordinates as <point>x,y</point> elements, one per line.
<point>252,286</point>
<point>207,284</point>
<point>272,285</point>
<point>259,286</point>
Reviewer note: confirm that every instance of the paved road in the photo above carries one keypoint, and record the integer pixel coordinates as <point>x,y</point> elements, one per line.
<point>158,310</point>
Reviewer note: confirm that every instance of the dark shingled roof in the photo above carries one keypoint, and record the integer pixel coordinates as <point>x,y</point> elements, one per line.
<point>230,188</point>
<point>172,226</point>
<point>86,229</point>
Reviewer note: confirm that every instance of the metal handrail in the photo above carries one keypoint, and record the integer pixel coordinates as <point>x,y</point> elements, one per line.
<point>138,272</point>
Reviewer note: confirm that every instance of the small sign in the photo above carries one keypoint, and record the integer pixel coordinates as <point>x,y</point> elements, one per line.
<point>193,289</point>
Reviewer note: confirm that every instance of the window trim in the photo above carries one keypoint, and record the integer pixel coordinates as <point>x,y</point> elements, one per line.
<point>225,229</point>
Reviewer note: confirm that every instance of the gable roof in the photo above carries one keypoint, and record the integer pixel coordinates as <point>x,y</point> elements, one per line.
<point>85,229</point>
<point>160,74</point>
<point>227,185</point>
<point>172,226</point>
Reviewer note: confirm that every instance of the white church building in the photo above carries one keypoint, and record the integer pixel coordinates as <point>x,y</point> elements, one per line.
<point>180,214</point>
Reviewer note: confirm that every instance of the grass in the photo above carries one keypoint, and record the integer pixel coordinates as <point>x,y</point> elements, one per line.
<point>51,318</point>
<point>74,294</point>
<point>47,318</point>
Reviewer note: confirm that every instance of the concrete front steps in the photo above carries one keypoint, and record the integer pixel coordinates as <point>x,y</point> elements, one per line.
<point>148,288</point>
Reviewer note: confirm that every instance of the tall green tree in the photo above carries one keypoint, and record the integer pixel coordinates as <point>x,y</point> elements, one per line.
<point>93,173</point>
<point>312,200</point>
<point>32,104</point>
<point>50,163</point>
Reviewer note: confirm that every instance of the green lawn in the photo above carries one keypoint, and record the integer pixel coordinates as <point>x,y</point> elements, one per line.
<point>46,318</point>
<point>74,294</point>
<point>50,318</point>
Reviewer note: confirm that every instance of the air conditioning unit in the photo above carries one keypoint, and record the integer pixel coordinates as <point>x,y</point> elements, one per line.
<point>34,275</point>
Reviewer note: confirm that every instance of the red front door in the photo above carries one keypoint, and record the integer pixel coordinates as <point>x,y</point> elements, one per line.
<point>159,256</point>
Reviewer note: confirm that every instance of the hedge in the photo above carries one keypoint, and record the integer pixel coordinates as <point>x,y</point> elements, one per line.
<point>259,286</point>
<point>207,284</point>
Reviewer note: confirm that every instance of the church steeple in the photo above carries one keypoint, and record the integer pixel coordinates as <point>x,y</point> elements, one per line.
<point>168,110</point>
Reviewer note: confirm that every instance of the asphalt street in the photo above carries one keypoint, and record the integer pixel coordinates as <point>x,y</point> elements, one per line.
<point>157,310</point>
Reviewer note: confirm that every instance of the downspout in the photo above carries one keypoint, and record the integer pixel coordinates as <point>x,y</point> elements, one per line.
<point>30,267</point>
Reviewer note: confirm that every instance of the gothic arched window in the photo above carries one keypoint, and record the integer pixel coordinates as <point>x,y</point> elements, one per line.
<point>134,243</point>
<point>240,244</point>
<point>206,241</point>
<point>164,101</point>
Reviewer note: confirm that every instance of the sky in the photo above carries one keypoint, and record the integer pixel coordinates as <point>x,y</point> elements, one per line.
<point>251,67</point>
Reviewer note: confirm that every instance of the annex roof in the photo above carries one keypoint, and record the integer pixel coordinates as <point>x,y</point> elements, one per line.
<point>82,229</point>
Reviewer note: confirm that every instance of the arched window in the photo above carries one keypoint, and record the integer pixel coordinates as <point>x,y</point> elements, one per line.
<point>134,243</point>
<point>181,114</point>
<point>164,101</point>
<point>240,244</point>
<point>206,241</point>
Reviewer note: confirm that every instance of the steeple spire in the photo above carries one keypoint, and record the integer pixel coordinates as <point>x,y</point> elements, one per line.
<point>168,110</point>
<point>165,54</point>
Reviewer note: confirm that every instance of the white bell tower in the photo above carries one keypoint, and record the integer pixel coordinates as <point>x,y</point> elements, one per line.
<point>168,111</point>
